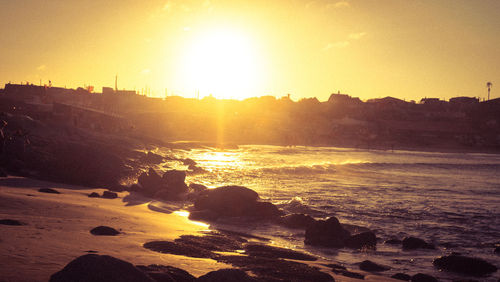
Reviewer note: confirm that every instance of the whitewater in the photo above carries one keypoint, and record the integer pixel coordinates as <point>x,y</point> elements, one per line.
<point>449,199</point>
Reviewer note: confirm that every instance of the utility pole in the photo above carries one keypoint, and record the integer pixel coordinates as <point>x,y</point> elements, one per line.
<point>489,84</point>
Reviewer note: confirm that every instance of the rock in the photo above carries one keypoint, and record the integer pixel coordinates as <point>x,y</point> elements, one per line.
<point>393,242</point>
<point>99,268</point>
<point>297,220</point>
<point>464,265</point>
<point>362,240</point>
<point>267,269</point>
<point>412,243</point>
<point>197,187</point>
<point>151,182</point>
<point>166,273</point>
<point>12,222</point>
<point>134,188</point>
<point>118,188</point>
<point>401,276</point>
<point>339,269</point>
<point>420,277</point>
<point>104,231</point>
<point>188,162</point>
<point>109,195</point>
<point>497,250</point>
<point>153,158</point>
<point>213,241</point>
<point>3,173</point>
<point>176,248</point>
<point>167,195</point>
<point>327,233</point>
<point>49,190</point>
<point>226,275</point>
<point>94,195</point>
<point>370,266</point>
<point>266,251</point>
<point>174,180</point>
<point>235,201</point>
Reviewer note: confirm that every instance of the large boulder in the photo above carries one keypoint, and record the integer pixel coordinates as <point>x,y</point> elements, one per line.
<point>151,182</point>
<point>99,268</point>
<point>412,243</point>
<point>235,201</point>
<point>465,265</point>
<point>420,277</point>
<point>327,233</point>
<point>362,240</point>
<point>104,231</point>
<point>175,181</point>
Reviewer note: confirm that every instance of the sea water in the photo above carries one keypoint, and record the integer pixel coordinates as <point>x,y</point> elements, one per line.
<point>449,199</point>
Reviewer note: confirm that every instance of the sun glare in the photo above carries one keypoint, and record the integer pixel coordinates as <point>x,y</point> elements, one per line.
<point>223,63</point>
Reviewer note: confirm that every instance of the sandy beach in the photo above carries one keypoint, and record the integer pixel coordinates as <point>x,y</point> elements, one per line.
<point>56,230</point>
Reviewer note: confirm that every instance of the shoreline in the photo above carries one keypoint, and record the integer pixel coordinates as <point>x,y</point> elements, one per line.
<point>56,231</point>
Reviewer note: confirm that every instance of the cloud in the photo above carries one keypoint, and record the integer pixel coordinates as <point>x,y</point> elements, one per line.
<point>357,36</point>
<point>340,4</point>
<point>41,67</point>
<point>339,44</point>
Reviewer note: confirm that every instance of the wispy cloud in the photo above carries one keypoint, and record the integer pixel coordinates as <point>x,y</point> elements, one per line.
<point>41,67</point>
<point>357,36</point>
<point>338,44</point>
<point>339,4</point>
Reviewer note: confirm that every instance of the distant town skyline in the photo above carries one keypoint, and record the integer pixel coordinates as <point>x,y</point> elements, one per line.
<point>238,49</point>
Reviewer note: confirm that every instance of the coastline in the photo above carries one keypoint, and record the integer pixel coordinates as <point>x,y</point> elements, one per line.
<point>56,231</point>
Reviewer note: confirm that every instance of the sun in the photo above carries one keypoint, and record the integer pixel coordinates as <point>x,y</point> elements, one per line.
<point>223,63</point>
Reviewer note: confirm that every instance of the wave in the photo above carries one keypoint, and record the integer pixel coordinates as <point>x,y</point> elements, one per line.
<point>334,167</point>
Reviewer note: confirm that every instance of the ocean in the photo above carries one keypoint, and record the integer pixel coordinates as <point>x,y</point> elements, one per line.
<point>449,199</point>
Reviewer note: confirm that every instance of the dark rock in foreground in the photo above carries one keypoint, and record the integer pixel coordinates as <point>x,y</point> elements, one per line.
<point>420,277</point>
<point>464,265</point>
<point>12,222</point>
<point>266,251</point>
<point>176,248</point>
<point>362,240</point>
<point>99,268</point>
<point>327,233</point>
<point>104,231</point>
<point>401,276</point>
<point>94,195</point>
<point>166,273</point>
<point>412,243</point>
<point>3,173</point>
<point>297,220</point>
<point>226,275</point>
<point>370,266</point>
<point>497,250</point>
<point>109,195</point>
<point>267,269</point>
<point>213,242</point>
<point>49,190</point>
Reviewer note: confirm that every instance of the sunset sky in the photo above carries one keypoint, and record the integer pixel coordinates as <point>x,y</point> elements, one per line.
<point>407,49</point>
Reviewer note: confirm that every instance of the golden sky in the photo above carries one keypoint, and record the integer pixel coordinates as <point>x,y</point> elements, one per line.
<point>407,49</point>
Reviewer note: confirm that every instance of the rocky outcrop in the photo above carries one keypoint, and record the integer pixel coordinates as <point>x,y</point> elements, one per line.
<point>401,276</point>
<point>420,277</point>
<point>109,195</point>
<point>12,222</point>
<point>326,233</point>
<point>464,265</point>
<point>167,187</point>
<point>100,268</point>
<point>49,190</point>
